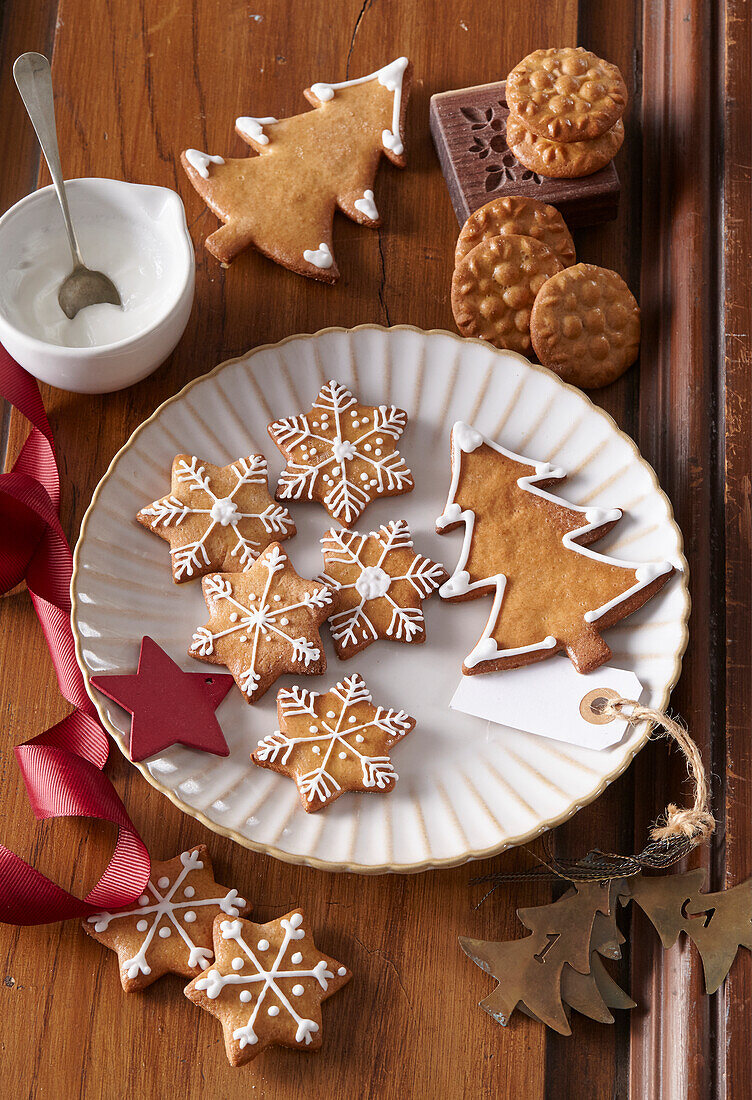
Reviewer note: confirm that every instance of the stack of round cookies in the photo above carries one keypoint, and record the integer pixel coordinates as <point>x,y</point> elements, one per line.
<point>565,108</point>
<point>505,253</point>
<point>517,285</point>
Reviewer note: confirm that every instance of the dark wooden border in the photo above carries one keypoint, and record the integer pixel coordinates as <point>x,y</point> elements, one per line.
<point>684,238</point>
<point>672,1049</point>
<point>734,335</point>
<point>695,422</point>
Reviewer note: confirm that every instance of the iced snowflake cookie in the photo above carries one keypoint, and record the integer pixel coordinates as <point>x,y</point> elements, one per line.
<point>282,200</point>
<point>266,985</point>
<point>333,743</point>
<point>342,454</point>
<point>530,550</point>
<point>169,930</point>
<point>378,585</point>
<point>263,623</point>
<point>216,517</point>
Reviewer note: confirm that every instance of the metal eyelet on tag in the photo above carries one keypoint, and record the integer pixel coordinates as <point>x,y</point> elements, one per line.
<point>551,699</point>
<point>591,706</point>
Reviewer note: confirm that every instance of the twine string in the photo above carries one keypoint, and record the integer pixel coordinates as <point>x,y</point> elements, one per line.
<point>677,831</point>
<point>695,823</point>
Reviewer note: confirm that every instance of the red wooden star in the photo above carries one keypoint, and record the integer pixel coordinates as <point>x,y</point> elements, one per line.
<point>169,706</point>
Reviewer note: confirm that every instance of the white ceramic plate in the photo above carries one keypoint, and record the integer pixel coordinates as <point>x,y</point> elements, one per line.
<point>466,788</point>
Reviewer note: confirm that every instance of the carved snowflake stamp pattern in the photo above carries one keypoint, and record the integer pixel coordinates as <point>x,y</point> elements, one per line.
<point>333,743</point>
<point>266,985</point>
<point>342,454</point>
<point>217,517</point>
<point>378,586</point>
<point>169,930</point>
<point>263,623</point>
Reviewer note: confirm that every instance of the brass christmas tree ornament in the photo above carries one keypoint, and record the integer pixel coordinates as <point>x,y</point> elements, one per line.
<point>558,967</point>
<point>718,924</point>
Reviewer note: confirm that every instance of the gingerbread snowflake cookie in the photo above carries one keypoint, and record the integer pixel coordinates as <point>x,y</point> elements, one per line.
<point>266,985</point>
<point>530,550</point>
<point>263,623</point>
<point>169,930</point>
<point>342,454</point>
<point>333,743</point>
<point>378,585</point>
<point>216,517</point>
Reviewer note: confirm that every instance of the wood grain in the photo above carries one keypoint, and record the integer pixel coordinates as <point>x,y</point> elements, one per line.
<point>734,759</point>
<point>136,83</point>
<point>679,207</point>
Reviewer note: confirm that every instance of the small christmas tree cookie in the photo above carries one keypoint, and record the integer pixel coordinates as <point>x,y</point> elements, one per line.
<point>333,743</point>
<point>283,200</point>
<point>342,454</point>
<point>378,586</point>
<point>216,517</point>
<point>530,550</point>
<point>266,985</point>
<point>263,623</point>
<point>169,930</point>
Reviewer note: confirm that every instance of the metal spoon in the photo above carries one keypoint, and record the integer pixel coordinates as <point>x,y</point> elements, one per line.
<point>83,287</point>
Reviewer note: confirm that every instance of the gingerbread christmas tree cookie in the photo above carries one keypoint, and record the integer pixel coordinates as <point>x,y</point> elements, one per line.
<point>263,623</point>
<point>342,454</point>
<point>283,200</point>
<point>531,551</point>
<point>169,930</point>
<point>378,585</point>
<point>216,517</point>
<point>333,743</point>
<point>266,985</point>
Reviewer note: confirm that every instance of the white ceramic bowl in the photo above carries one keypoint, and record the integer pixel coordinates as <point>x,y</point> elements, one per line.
<point>156,211</point>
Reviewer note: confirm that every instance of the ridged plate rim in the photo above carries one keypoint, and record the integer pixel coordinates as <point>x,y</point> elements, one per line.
<point>428,864</point>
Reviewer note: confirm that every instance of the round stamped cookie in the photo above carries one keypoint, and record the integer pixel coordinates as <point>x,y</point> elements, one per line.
<point>494,287</point>
<point>585,326</point>
<point>519,216</point>
<point>563,159</point>
<point>566,94</point>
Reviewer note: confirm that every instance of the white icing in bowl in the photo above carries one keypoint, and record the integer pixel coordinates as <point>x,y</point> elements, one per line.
<point>138,236</point>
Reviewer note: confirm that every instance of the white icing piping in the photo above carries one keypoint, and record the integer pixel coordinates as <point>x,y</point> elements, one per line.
<point>171,510</point>
<point>320,783</point>
<point>322,258</point>
<point>352,625</point>
<point>213,982</point>
<point>466,439</point>
<point>367,206</point>
<point>164,906</point>
<point>390,77</point>
<point>201,161</point>
<point>311,439</point>
<point>253,128</point>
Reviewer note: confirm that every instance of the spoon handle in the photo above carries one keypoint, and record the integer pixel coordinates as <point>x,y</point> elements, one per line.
<point>31,72</point>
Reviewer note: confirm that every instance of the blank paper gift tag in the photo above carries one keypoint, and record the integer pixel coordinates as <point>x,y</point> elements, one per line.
<point>550,699</point>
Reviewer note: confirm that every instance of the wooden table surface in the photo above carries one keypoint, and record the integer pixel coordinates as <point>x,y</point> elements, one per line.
<point>137,81</point>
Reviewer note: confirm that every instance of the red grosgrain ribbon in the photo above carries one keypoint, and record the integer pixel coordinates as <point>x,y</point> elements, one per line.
<point>62,767</point>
